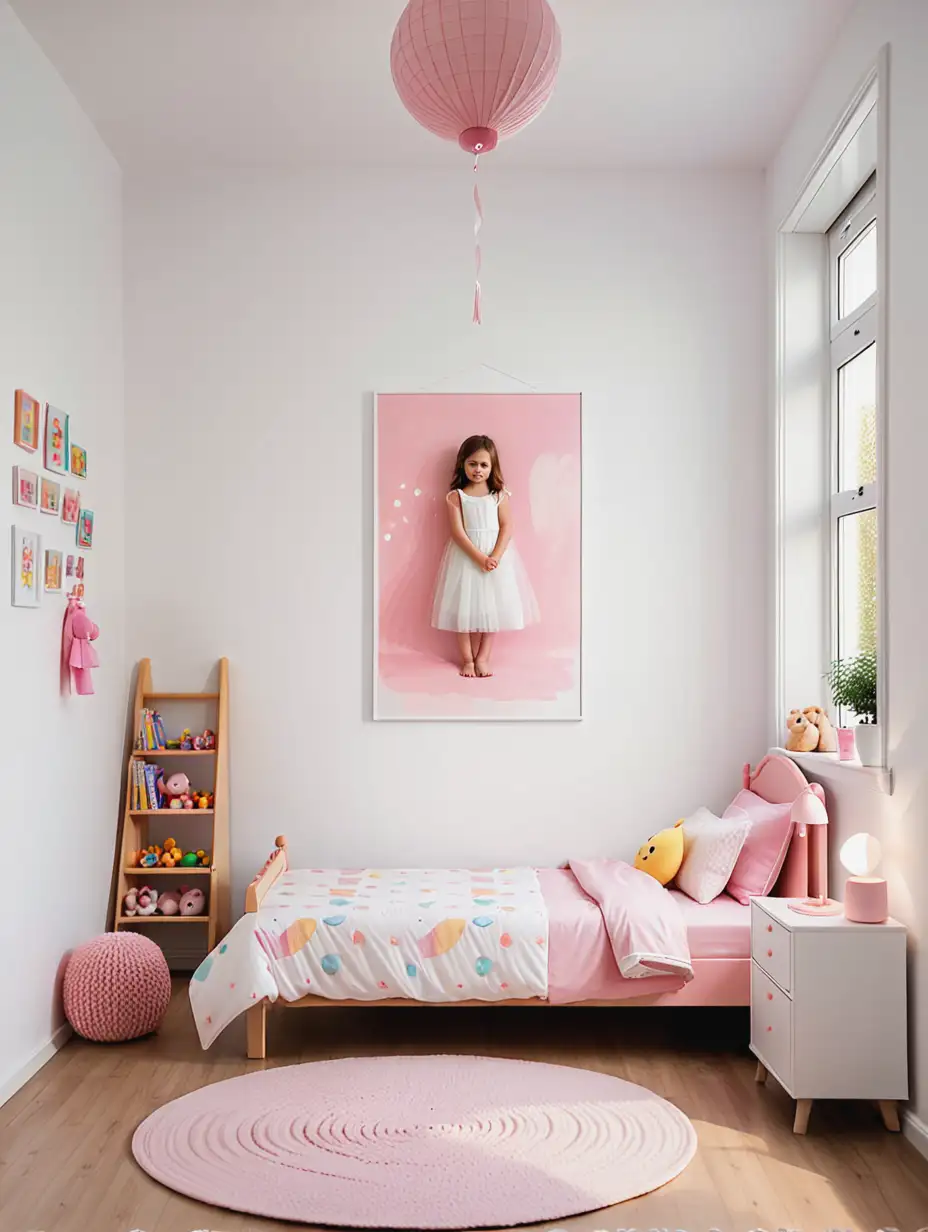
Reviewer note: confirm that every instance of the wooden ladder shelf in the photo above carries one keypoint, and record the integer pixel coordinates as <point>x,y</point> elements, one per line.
<point>135,832</point>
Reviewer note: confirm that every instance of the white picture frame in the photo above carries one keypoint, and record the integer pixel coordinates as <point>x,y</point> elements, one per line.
<point>26,551</point>
<point>397,508</point>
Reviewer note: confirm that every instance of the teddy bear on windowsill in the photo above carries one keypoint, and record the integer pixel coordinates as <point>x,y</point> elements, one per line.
<point>810,731</point>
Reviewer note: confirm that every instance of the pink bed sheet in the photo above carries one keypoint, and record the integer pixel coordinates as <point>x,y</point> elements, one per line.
<point>581,966</point>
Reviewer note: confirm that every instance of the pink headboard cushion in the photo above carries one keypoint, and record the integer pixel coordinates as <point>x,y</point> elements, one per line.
<point>779,780</point>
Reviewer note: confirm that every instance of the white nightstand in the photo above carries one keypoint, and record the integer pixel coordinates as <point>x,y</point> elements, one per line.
<point>828,1007</point>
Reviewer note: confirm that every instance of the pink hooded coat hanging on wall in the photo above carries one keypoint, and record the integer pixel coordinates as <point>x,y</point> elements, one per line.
<point>77,654</point>
<point>474,71</point>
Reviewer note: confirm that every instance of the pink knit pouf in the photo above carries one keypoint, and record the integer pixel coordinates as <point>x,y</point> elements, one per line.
<point>116,987</point>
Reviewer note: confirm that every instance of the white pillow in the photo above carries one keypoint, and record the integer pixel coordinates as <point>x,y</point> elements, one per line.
<point>711,846</point>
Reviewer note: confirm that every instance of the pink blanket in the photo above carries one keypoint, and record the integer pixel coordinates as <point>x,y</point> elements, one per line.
<point>646,928</point>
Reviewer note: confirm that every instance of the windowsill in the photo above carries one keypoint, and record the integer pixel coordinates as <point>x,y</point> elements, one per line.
<point>827,766</point>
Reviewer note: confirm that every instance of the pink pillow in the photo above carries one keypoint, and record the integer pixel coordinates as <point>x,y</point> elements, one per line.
<point>764,849</point>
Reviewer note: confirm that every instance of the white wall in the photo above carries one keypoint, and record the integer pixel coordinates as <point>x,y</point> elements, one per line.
<point>61,340</point>
<point>902,820</point>
<point>261,313</point>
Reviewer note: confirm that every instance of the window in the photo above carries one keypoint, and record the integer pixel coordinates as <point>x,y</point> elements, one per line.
<point>854,494</point>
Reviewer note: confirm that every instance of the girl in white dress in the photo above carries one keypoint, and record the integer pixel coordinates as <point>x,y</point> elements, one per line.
<point>482,585</point>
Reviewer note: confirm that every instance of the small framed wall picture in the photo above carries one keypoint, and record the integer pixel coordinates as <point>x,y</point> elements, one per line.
<point>85,529</point>
<point>25,488</point>
<point>79,573</point>
<point>70,505</point>
<point>50,498</point>
<point>69,570</point>
<point>25,421</point>
<point>52,570</point>
<point>57,444</point>
<point>78,461</point>
<point>25,559</point>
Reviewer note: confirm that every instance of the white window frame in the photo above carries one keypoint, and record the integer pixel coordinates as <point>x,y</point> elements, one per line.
<point>804,415</point>
<point>849,336</point>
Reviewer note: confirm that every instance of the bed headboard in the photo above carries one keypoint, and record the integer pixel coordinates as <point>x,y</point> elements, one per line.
<point>780,781</point>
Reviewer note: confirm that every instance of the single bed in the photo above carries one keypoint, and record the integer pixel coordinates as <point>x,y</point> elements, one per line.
<point>581,966</point>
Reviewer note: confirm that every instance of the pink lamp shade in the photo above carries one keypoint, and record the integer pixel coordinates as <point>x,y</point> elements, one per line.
<point>474,71</point>
<point>866,900</point>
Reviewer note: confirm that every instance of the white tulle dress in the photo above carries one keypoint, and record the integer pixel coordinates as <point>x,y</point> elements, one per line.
<point>469,599</point>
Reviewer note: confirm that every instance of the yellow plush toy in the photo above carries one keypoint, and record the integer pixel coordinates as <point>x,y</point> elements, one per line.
<point>662,854</point>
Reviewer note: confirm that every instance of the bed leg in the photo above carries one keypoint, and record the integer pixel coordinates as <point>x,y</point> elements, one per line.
<point>760,1074</point>
<point>890,1115</point>
<point>256,1029</point>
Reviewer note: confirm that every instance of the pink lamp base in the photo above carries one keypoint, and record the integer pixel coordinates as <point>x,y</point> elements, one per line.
<point>816,906</point>
<point>866,900</point>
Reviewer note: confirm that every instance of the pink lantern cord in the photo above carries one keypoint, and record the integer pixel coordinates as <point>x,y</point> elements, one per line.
<point>475,71</point>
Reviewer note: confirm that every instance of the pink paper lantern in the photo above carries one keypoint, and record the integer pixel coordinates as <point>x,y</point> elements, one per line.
<point>474,71</point>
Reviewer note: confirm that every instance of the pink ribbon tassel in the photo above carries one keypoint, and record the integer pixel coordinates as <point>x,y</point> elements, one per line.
<point>478,223</point>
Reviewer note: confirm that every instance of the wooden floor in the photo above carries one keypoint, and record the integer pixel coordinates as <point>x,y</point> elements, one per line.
<point>65,1163</point>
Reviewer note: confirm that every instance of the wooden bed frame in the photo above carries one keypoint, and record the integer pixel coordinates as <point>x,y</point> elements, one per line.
<point>776,779</point>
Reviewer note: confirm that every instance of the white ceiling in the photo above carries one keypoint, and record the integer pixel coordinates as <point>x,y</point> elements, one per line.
<point>646,83</point>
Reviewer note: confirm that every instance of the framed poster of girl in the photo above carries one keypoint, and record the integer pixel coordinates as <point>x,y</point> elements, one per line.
<point>477,556</point>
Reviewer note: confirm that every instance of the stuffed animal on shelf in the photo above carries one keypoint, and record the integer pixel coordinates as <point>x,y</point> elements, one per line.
<point>147,901</point>
<point>193,902</point>
<point>662,855</point>
<point>827,736</point>
<point>173,853</point>
<point>130,904</point>
<point>175,789</point>
<point>169,902</point>
<point>803,735</point>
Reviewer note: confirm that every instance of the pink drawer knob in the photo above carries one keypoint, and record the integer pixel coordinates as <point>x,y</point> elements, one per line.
<point>770,1028</point>
<point>770,953</point>
<point>769,928</point>
<point>769,996</point>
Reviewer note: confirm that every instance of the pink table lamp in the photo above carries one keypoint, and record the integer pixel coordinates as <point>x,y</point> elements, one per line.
<point>865,897</point>
<point>809,813</point>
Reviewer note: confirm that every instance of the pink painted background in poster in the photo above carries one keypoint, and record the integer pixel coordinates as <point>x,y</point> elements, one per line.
<point>536,670</point>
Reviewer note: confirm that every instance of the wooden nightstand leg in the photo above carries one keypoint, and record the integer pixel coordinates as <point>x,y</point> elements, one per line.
<point>890,1114</point>
<point>803,1110</point>
<point>760,1074</point>
<point>256,1031</point>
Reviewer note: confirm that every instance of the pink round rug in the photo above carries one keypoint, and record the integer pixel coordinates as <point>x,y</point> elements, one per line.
<point>416,1142</point>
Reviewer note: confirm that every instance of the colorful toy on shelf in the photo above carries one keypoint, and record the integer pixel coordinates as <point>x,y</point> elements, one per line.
<point>130,904</point>
<point>188,860</point>
<point>186,740</point>
<point>193,903</point>
<point>202,799</point>
<point>175,790</point>
<point>172,854</point>
<point>203,858</point>
<point>147,900</point>
<point>148,860</point>
<point>209,739</point>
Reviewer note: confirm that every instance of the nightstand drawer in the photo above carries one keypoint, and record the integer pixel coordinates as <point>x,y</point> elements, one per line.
<point>771,947</point>
<point>772,1025</point>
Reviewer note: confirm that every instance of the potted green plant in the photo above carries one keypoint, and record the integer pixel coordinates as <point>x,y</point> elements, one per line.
<point>853,687</point>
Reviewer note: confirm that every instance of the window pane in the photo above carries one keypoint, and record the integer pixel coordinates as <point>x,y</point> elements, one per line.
<point>857,583</point>
<point>857,421</point>
<point>857,271</point>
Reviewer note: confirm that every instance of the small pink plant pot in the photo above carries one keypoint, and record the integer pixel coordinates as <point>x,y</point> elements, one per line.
<point>847,744</point>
